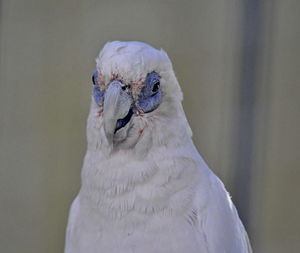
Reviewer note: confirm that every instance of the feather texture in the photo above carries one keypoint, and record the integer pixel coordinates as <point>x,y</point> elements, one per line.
<point>152,191</point>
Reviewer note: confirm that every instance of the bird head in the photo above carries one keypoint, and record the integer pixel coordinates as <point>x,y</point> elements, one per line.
<point>136,96</point>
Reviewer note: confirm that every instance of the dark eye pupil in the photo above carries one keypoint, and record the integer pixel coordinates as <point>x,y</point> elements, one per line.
<point>93,79</point>
<point>156,87</point>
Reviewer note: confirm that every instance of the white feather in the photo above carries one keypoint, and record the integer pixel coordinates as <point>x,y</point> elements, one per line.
<point>152,193</point>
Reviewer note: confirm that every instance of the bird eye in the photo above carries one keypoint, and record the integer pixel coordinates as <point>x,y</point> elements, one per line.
<point>156,87</point>
<point>93,79</point>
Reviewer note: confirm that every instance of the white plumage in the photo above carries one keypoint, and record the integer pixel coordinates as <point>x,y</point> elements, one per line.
<point>145,188</point>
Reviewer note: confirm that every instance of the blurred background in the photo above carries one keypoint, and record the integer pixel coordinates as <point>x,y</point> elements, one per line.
<point>237,62</point>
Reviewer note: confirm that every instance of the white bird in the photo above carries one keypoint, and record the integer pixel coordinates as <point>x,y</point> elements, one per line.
<point>145,188</point>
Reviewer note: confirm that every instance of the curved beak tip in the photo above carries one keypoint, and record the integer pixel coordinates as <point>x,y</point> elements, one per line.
<point>117,104</point>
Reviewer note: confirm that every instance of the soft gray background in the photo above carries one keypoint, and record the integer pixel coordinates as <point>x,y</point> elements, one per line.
<point>238,65</point>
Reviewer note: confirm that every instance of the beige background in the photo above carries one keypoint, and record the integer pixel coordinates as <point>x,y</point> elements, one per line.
<point>238,65</point>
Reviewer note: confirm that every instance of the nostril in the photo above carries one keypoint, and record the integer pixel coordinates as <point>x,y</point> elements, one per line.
<point>123,87</point>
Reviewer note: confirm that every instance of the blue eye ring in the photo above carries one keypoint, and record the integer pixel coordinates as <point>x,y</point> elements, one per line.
<point>97,93</point>
<point>151,95</point>
<point>152,83</point>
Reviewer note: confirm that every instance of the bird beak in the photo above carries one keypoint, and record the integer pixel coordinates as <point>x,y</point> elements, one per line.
<point>117,104</point>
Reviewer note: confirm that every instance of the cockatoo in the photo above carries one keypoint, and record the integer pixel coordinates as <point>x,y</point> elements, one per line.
<point>145,188</point>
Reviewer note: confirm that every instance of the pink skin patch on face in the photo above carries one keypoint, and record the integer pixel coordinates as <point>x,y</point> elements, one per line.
<point>115,76</point>
<point>99,113</point>
<point>101,81</point>
<point>136,87</point>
